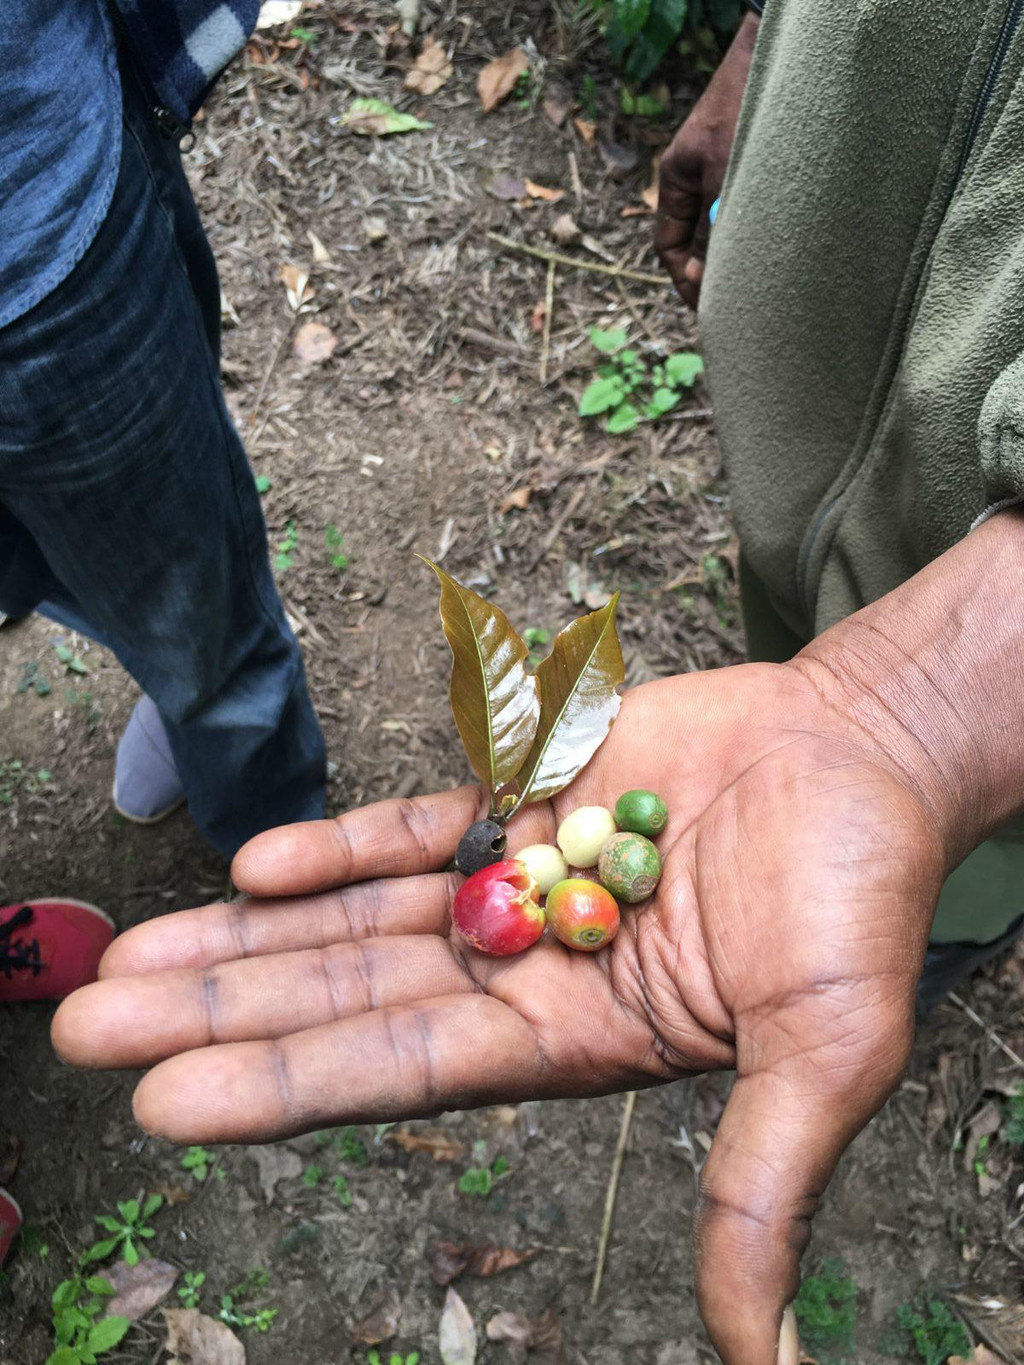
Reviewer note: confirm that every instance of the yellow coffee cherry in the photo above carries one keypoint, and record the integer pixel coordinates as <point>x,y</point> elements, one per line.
<point>545,865</point>
<point>582,835</point>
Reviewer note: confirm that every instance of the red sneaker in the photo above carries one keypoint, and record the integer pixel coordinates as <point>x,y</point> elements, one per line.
<point>10,1222</point>
<point>48,948</point>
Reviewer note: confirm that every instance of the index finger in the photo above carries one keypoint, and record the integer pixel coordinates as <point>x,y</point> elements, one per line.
<point>390,839</point>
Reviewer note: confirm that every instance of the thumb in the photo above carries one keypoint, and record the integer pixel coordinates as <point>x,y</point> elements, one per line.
<point>787,1123</point>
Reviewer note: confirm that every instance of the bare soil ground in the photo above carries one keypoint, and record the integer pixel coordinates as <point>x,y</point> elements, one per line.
<point>429,417</point>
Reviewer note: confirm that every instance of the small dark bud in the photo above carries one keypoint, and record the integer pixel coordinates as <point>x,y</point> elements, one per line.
<point>481,845</point>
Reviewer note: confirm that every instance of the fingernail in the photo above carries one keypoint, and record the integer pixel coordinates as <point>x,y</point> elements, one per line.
<point>789,1342</point>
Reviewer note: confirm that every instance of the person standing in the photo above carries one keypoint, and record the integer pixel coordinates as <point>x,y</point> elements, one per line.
<point>128,509</point>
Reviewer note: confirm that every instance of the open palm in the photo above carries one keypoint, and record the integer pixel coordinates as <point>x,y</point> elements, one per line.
<point>785,939</point>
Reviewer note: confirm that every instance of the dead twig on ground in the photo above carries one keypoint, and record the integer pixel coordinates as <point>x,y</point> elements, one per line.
<point>611,1193</point>
<point>616,271</point>
<point>987,1029</point>
<point>549,303</point>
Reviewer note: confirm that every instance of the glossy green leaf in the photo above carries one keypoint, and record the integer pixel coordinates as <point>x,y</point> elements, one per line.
<point>107,1334</point>
<point>600,395</point>
<point>683,368</point>
<point>624,418</point>
<point>494,699</point>
<point>662,400</point>
<point>578,702</point>
<point>631,15</point>
<point>607,340</point>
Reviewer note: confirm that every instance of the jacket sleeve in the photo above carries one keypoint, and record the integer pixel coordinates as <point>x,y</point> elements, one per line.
<point>1001,440</point>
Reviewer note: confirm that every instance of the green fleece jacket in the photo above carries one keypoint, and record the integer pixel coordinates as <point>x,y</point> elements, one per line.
<point>863,308</point>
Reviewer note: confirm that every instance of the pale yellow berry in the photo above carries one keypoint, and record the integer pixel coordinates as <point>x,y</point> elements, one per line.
<point>582,835</point>
<point>545,865</point>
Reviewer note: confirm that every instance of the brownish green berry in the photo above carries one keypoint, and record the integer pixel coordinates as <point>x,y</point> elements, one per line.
<point>629,867</point>
<point>641,812</point>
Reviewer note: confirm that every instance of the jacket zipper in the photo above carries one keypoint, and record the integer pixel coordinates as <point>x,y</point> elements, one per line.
<point>1011,23</point>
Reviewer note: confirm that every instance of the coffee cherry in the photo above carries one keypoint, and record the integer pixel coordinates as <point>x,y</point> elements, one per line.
<point>629,867</point>
<point>582,914</point>
<point>583,834</point>
<point>497,910</point>
<point>642,812</point>
<point>545,865</point>
<point>481,845</point>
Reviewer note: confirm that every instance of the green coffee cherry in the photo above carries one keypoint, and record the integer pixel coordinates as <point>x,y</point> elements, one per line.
<point>641,812</point>
<point>582,835</point>
<point>629,867</point>
<point>545,865</point>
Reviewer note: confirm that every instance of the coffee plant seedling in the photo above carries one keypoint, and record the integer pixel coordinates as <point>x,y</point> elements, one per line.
<point>629,390</point>
<point>929,1333</point>
<point>191,1291</point>
<point>526,734</point>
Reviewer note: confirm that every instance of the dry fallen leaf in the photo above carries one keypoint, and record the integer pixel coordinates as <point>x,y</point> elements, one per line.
<point>381,1323</point>
<point>314,343</point>
<point>440,1145</point>
<point>138,1288</point>
<point>542,1335</point>
<point>177,1194</point>
<point>430,70</point>
<point>557,104</point>
<point>981,1355</point>
<point>506,187</point>
<point>274,12</point>
<point>448,1260</point>
<point>296,285</point>
<point>375,118</point>
<point>456,1335</point>
<point>320,252</point>
<point>536,191</point>
<point>497,79</point>
<point>195,1339</point>
<point>586,129</point>
<point>564,230</point>
<point>275,1163</point>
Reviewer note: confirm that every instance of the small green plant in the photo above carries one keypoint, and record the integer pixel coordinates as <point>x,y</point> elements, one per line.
<point>629,390</point>
<point>191,1291</point>
<point>929,1333</point>
<point>374,1357</point>
<point>335,543</point>
<point>536,638</point>
<point>525,91</point>
<point>286,547</point>
<point>263,484</point>
<point>80,1332</point>
<point>31,1241</point>
<point>640,33</point>
<point>826,1309</point>
<point>343,1192</point>
<point>86,705</point>
<point>15,777</point>
<point>479,1180</point>
<point>72,662</point>
<point>638,105</point>
<point>234,1314</point>
<point>198,1161</point>
<point>312,1176</point>
<point>32,680</point>
<point>1012,1130</point>
<point>588,98</point>
<point>128,1234</point>
<point>350,1146</point>
<point>306,36</point>
<point>980,1165</point>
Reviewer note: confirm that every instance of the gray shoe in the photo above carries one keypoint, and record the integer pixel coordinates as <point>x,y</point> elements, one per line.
<point>146,782</point>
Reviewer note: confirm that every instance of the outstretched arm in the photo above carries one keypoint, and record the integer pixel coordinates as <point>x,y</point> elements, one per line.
<point>815,809</point>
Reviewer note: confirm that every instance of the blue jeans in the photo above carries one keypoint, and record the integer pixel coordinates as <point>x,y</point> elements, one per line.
<point>128,510</point>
